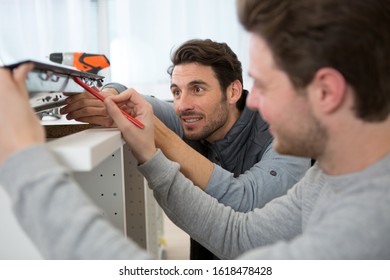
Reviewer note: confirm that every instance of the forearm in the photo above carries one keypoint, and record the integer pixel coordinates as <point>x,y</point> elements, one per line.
<point>217,227</point>
<point>193,165</point>
<point>271,177</point>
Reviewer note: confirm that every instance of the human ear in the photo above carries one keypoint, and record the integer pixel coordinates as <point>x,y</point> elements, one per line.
<point>329,89</point>
<point>234,91</point>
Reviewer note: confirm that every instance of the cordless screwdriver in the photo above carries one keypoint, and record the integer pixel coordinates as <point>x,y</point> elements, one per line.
<point>86,62</point>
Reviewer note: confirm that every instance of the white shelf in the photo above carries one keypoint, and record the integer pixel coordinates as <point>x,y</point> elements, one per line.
<point>83,151</point>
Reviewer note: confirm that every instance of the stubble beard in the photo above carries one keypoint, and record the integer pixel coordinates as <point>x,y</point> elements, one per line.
<point>309,141</point>
<point>217,121</point>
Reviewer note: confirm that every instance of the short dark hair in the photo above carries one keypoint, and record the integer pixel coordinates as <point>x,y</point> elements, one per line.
<point>219,56</point>
<point>352,37</point>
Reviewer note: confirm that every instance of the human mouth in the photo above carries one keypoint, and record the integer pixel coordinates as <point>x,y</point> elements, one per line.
<point>192,120</point>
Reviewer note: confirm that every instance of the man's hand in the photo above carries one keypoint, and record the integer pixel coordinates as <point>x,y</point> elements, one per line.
<point>20,126</point>
<point>141,141</point>
<point>84,107</point>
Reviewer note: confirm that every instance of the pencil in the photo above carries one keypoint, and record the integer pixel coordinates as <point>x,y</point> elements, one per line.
<point>95,93</point>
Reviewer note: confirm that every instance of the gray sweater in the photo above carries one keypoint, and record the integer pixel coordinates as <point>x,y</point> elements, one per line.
<point>321,217</point>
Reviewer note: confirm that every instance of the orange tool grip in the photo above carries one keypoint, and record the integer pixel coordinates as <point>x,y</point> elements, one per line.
<point>92,63</point>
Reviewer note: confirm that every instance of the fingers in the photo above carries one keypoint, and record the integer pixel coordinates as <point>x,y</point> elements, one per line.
<point>141,141</point>
<point>79,96</point>
<point>15,78</point>
<point>129,94</point>
<point>21,72</point>
<point>84,100</point>
<point>130,100</point>
<point>124,97</point>
<point>85,107</point>
<point>86,104</point>
<point>20,75</point>
<point>96,120</point>
<point>115,113</point>
<point>85,112</point>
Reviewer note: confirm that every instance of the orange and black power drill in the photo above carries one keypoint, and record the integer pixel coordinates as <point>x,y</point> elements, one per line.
<point>86,62</point>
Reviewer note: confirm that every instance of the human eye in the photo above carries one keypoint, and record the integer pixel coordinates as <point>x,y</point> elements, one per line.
<point>175,92</point>
<point>198,89</point>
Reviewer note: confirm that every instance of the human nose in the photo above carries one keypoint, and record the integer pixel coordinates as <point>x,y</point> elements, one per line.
<point>185,102</point>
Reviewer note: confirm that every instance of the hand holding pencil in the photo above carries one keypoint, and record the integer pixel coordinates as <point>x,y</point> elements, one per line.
<point>141,141</point>
<point>95,93</point>
<point>125,107</point>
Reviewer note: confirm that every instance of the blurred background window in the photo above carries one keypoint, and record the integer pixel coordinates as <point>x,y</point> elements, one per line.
<point>137,36</point>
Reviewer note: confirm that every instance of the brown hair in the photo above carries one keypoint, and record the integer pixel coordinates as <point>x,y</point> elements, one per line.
<point>352,37</point>
<point>219,56</point>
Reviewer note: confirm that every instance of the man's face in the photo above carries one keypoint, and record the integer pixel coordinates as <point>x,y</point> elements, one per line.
<point>296,129</point>
<point>199,102</point>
